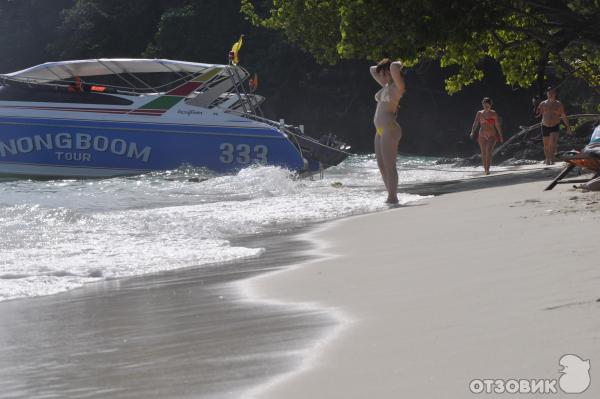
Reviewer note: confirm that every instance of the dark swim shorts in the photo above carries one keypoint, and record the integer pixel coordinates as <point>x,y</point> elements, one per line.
<point>546,130</point>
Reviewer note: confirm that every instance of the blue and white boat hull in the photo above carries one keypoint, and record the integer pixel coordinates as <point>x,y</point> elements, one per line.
<point>48,147</point>
<point>69,119</point>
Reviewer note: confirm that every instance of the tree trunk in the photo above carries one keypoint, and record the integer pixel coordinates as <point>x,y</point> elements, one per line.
<point>541,73</point>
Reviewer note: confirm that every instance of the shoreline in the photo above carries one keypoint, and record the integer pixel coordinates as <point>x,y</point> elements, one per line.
<point>300,321</point>
<point>169,334</point>
<point>319,251</point>
<point>354,360</point>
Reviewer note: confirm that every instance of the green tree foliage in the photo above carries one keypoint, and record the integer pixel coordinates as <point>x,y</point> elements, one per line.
<point>107,28</point>
<point>198,30</point>
<point>466,36</point>
<point>26,28</point>
<point>529,38</point>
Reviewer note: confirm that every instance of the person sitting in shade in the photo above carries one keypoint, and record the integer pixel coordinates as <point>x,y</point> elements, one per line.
<point>75,86</point>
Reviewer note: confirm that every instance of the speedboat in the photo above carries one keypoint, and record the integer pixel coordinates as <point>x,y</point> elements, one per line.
<point>115,117</point>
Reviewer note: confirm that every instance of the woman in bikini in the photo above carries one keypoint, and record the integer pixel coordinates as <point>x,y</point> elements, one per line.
<point>387,131</point>
<point>490,132</point>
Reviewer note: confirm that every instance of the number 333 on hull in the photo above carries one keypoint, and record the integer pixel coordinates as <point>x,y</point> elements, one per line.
<point>116,117</point>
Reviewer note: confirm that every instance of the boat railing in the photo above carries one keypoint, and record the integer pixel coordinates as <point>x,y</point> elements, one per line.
<point>66,85</point>
<point>258,118</point>
<point>247,102</point>
<point>251,110</point>
<point>294,132</point>
<point>287,129</point>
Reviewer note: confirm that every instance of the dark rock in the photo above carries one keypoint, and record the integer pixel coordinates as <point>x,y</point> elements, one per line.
<point>517,162</point>
<point>447,161</point>
<point>95,273</point>
<point>474,160</point>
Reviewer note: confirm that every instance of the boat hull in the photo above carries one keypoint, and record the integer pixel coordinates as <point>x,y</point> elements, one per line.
<point>57,147</point>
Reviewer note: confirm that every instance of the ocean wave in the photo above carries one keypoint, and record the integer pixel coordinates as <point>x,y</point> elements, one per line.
<point>58,235</point>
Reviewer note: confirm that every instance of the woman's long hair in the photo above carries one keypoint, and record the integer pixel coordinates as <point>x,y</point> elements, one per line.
<point>383,65</point>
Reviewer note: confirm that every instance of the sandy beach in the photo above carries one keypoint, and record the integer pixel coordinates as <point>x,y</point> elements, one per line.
<point>494,279</point>
<point>496,283</point>
<point>299,199</point>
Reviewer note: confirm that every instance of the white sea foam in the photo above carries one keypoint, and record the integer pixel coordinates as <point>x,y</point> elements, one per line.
<point>59,235</point>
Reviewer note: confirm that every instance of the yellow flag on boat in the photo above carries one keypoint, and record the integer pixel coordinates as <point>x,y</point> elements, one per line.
<point>235,49</point>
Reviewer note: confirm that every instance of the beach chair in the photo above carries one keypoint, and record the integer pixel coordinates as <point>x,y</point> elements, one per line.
<point>588,160</point>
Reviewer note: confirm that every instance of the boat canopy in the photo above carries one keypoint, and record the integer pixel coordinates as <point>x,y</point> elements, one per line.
<point>67,70</point>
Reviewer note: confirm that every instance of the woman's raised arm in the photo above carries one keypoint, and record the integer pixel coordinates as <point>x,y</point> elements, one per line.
<point>377,76</point>
<point>395,71</point>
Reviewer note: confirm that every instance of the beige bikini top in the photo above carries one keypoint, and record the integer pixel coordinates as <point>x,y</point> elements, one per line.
<point>383,95</point>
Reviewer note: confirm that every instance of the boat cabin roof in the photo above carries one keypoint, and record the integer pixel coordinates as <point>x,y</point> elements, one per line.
<point>67,70</point>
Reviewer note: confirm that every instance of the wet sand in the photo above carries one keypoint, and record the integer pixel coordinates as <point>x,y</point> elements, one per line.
<point>484,283</point>
<point>183,334</point>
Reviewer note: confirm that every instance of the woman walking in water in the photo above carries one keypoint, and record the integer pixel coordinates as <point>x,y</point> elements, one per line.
<point>387,131</point>
<point>490,132</point>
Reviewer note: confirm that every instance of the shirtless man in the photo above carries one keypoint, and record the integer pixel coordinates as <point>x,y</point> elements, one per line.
<point>551,111</point>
